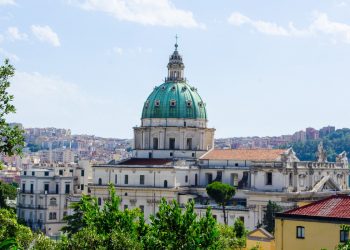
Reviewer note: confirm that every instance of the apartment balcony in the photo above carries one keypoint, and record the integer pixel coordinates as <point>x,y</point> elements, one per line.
<point>29,206</point>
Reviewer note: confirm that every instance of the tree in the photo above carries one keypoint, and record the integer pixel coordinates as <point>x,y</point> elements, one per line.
<point>12,139</point>
<point>7,191</point>
<point>233,237</point>
<point>11,232</point>
<point>269,217</point>
<point>221,193</point>
<point>92,227</point>
<point>171,228</point>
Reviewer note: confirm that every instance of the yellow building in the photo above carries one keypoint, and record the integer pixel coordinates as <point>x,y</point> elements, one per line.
<point>314,226</point>
<point>261,239</point>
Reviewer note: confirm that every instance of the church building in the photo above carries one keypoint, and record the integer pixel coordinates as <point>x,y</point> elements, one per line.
<point>174,157</point>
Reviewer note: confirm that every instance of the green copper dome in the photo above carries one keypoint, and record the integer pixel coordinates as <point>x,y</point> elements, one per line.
<point>174,100</point>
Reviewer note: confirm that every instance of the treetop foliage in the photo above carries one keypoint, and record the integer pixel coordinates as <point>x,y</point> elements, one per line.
<point>12,139</point>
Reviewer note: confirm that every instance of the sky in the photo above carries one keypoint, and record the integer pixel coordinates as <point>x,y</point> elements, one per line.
<point>263,67</point>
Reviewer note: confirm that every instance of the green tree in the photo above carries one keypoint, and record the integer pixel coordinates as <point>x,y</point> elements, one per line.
<point>12,139</point>
<point>11,230</point>
<point>6,190</point>
<point>76,221</point>
<point>172,228</point>
<point>221,193</point>
<point>233,237</point>
<point>92,227</point>
<point>269,217</point>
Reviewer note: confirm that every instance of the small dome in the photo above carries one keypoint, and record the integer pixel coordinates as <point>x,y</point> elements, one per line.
<point>174,100</point>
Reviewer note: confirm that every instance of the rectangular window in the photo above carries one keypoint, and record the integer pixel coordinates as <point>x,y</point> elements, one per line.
<point>234,180</point>
<point>300,232</point>
<point>67,190</point>
<point>25,173</point>
<point>23,187</point>
<point>142,179</point>
<point>171,143</point>
<point>116,179</point>
<point>46,188</point>
<point>125,207</point>
<point>46,173</point>
<point>189,143</point>
<point>142,208</point>
<point>344,236</point>
<point>31,188</point>
<point>290,179</point>
<point>57,188</point>
<point>126,179</point>
<point>33,173</point>
<point>60,172</point>
<point>209,178</point>
<point>186,178</point>
<point>155,143</point>
<point>269,178</point>
<point>82,172</point>
<point>82,187</point>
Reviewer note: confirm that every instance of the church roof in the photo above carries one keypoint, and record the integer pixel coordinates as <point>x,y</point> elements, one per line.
<point>335,206</point>
<point>244,154</point>
<point>174,98</point>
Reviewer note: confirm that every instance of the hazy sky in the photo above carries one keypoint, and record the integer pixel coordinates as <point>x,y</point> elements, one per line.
<point>262,67</point>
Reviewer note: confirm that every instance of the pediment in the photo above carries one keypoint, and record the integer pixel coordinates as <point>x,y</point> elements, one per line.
<point>326,184</point>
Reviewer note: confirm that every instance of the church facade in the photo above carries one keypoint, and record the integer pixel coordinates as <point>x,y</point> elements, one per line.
<point>174,157</point>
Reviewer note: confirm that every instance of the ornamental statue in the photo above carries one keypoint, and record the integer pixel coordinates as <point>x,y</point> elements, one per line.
<point>321,153</point>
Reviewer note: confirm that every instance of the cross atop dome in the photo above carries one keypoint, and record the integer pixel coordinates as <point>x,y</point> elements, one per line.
<point>176,37</point>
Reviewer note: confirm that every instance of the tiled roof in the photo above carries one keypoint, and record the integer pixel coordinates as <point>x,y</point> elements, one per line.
<point>244,154</point>
<point>336,206</point>
<point>145,161</point>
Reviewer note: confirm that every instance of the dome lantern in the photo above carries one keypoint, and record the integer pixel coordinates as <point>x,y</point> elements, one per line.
<point>175,66</point>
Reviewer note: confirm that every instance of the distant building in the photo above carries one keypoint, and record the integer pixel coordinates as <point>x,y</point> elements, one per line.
<point>299,136</point>
<point>315,226</point>
<point>312,134</point>
<point>326,131</point>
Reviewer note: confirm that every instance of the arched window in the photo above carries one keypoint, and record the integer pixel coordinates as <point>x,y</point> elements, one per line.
<point>53,202</point>
<point>52,216</point>
<point>99,201</point>
<point>99,181</point>
<point>165,183</point>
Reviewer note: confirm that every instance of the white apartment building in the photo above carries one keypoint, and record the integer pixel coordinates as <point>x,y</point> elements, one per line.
<point>46,191</point>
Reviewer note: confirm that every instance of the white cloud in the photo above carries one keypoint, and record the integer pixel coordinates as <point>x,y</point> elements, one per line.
<point>9,55</point>
<point>321,25</point>
<point>238,19</point>
<point>46,34</point>
<point>146,12</point>
<point>338,31</point>
<point>15,34</point>
<point>7,2</point>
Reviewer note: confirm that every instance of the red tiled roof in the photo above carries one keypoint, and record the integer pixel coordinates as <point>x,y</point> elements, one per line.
<point>336,206</point>
<point>145,161</point>
<point>244,154</point>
